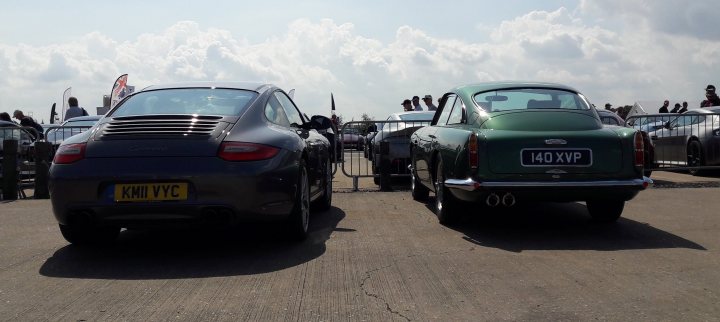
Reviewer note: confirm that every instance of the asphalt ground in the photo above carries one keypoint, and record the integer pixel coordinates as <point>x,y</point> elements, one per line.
<point>383,256</point>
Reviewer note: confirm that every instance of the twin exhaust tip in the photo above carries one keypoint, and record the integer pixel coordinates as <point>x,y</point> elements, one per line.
<point>507,200</point>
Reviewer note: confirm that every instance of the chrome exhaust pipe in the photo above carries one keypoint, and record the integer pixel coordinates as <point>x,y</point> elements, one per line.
<point>508,200</point>
<point>492,200</point>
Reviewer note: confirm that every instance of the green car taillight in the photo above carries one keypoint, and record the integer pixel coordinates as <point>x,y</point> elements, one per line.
<point>473,151</point>
<point>639,150</point>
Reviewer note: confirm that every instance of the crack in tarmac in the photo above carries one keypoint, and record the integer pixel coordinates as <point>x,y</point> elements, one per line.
<point>376,296</point>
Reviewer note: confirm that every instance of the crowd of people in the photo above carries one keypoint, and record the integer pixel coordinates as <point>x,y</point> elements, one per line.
<point>414,104</point>
<point>711,99</point>
<point>25,121</point>
<point>74,110</point>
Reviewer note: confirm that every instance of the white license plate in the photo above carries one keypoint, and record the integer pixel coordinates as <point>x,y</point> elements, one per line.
<point>556,157</point>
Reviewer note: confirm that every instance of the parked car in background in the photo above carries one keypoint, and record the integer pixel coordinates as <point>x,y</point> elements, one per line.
<point>690,139</point>
<point>70,127</point>
<point>612,119</point>
<point>500,143</point>
<point>651,123</point>
<point>205,152</point>
<point>397,134</point>
<point>351,138</point>
<point>76,125</point>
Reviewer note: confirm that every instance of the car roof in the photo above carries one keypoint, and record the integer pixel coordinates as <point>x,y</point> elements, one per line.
<point>8,124</point>
<point>85,118</point>
<point>706,110</point>
<point>250,86</point>
<point>606,112</point>
<point>490,86</point>
<point>396,115</point>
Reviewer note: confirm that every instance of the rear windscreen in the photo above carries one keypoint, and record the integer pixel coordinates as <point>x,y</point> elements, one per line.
<point>200,101</point>
<point>530,98</point>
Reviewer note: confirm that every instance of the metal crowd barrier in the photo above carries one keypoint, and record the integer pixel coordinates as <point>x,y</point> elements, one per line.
<point>380,150</point>
<point>687,141</point>
<point>25,161</point>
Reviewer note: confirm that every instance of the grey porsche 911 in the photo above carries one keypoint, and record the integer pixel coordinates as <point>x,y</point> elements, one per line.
<point>213,153</point>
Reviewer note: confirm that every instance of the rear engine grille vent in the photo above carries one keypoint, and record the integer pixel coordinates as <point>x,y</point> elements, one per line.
<point>162,125</point>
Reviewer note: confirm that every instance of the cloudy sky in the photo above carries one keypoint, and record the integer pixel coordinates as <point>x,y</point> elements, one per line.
<point>370,54</point>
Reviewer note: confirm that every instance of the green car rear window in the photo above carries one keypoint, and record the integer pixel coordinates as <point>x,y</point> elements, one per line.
<point>201,101</point>
<point>530,98</point>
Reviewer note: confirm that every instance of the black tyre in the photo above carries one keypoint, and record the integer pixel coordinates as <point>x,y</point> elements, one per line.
<point>324,202</point>
<point>87,235</point>
<point>446,206</point>
<point>695,157</point>
<point>299,219</point>
<point>605,211</point>
<point>419,192</point>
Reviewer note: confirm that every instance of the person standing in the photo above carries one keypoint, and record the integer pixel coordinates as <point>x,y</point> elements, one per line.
<point>712,98</point>
<point>416,103</point>
<point>407,105</point>
<point>4,116</point>
<point>429,103</point>
<point>684,108</point>
<point>664,108</point>
<point>676,108</point>
<point>27,121</point>
<point>74,110</point>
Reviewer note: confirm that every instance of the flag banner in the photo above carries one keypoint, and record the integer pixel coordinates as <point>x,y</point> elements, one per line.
<point>637,109</point>
<point>65,106</point>
<point>119,90</point>
<point>52,114</point>
<point>332,102</point>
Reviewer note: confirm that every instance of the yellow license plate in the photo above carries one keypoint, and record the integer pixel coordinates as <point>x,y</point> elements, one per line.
<point>151,192</point>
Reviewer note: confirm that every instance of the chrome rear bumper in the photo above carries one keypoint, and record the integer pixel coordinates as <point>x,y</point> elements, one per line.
<point>471,185</point>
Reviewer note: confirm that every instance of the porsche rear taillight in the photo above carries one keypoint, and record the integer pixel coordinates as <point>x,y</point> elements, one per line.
<point>242,151</point>
<point>69,153</point>
<point>473,151</point>
<point>639,150</point>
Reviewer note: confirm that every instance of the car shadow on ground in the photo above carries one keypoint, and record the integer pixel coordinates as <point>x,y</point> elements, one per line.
<point>171,254</point>
<point>559,226</point>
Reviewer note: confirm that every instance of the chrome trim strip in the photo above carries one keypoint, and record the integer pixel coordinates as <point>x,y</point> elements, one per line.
<point>555,142</point>
<point>462,184</point>
<point>471,185</point>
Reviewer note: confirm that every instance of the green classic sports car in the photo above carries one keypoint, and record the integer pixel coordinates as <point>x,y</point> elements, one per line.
<point>505,142</point>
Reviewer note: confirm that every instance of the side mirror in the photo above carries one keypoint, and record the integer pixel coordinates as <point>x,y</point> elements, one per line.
<point>320,123</point>
<point>667,125</point>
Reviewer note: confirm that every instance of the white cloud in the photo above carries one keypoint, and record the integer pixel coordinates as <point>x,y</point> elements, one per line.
<point>697,18</point>
<point>371,76</point>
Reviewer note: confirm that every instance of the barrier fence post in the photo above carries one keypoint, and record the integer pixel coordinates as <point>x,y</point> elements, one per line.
<point>9,168</point>
<point>385,166</point>
<point>42,168</point>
